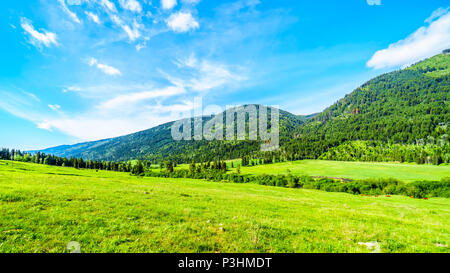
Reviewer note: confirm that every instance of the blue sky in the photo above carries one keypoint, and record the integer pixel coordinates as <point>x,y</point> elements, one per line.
<point>78,70</point>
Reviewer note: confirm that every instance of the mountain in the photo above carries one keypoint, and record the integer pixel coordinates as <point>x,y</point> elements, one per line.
<point>405,106</point>
<point>401,107</point>
<point>157,144</point>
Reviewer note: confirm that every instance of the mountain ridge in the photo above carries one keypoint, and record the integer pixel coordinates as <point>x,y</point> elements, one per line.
<point>147,144</point>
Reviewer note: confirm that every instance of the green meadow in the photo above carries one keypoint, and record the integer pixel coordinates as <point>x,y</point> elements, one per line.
<point>354,170</point>
<point>43,208</point>
<point>406,172</point>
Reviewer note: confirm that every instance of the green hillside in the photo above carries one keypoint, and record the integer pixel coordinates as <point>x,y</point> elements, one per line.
<point>406,107</point>
<point>436,67</point>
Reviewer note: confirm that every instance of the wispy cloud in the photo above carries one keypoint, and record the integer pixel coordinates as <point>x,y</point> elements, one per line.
<point>108,5</point>
<point>89,127</point>
<point>21,106</point>
<point>191,2</point>
<point>182,22</point>
<point>71,14</point>
<point>33,96</point>
<point>93,17</point>
<point>54,107</point>
<point>132,32</point>
<point>104,68</point>
<point>168,4</point>
<point>107,90</point>
<point>45,125</point>
<point>37,38</point>
<point>131,5</point>
<point>374,2</point>
<point>423,43</point>
<point>436,14</point>
<point>129,100</point>
<point>203,76</point>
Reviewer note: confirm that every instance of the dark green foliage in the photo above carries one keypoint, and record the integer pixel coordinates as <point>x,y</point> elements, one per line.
<point>137,169</point>
<point>376,151</point>
<point>78,163</point>
<point>419,189</point>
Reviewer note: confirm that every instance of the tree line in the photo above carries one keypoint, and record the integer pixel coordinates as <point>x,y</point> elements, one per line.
<point>418,189</point>
<point>78,163</point>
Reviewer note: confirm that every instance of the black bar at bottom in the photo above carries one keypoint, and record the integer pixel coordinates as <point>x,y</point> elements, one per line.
<point>228,262</point>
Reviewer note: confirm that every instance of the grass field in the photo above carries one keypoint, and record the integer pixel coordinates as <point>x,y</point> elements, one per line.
<point>406,172</point>
<point>353,170</point>
<point>42,208</point>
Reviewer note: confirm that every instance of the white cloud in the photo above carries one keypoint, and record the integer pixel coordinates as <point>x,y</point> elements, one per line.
<point>116,118</point>
<point>77,2</point>
<point>132,32</point>
<point>33,96</point>
<point>71,89</point>
<point>38,38</point>
<point>424,43</point>
<point>108,90</point>
<point>140,46</point>
<point>374,2</point>
<point>45,125</point>
<point>212,76</point>
<point>93,17</point>
<point>191,2</point>
<point>168,4</point>
<point>109,5</point>
<point>90,128</point>
<point>71,14</point>
<point>131,5</point>
<point>130,99</point>
<point>203,75</point>
<point>185,107</point>
<point>22,106</point>
<point>54,107</point>
<point>436,14</point>
<point>104,68</point>
<point>103,124</point>
<point>182,22</point>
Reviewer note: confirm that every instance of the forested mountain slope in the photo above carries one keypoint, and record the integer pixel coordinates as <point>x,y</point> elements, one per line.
<point>157,144</point>
<point>407,106</point>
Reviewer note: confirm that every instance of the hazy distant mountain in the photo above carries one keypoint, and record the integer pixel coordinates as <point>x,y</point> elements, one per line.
<point>157,143</point>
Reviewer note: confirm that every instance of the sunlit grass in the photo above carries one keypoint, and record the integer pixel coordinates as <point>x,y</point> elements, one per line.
<point>43,208</point>
<point>354,170</point>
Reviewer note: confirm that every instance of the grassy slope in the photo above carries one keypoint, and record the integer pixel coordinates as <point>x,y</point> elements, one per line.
<point>354,170</point>
<point>42,208</point>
